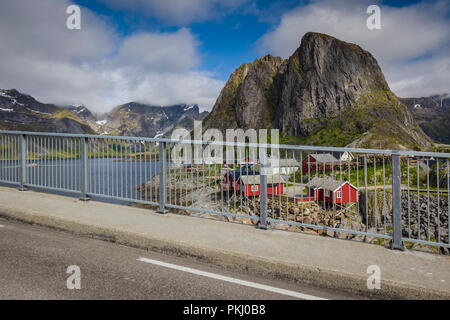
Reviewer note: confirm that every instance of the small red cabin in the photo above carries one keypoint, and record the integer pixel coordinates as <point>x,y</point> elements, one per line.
<point>317,162</point>
<point>228,182</point>
<point>250,185</point>
<point>230,179</point>
<point>332,191</point>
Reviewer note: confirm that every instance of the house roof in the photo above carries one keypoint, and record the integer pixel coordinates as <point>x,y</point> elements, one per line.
<point>338,154</point>
<point>255,179</point>
<point>288,163</point>
<point>324,157</point>
<point>327,183</point>
<point>244,171</point>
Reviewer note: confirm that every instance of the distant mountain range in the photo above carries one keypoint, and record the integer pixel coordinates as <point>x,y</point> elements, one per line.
<point>19,111</point>
<point>328,92</point>
<point>137,119</point>
<point>432,114</point>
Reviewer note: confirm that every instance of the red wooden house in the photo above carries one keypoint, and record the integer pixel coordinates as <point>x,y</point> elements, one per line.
<point>317,162</point>
<point>230,179</point>
<point>332,191</point>
<point>250,185</point>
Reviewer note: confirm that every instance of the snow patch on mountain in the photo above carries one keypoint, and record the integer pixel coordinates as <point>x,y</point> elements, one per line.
<point>188,108</point>
<point>3,94</point>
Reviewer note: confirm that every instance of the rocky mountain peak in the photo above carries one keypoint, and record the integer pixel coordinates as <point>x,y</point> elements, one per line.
<point>327,92</point>
<point>325,76</point>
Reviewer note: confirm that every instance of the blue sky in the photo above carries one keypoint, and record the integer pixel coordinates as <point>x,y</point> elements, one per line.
<point>225,42</point>
<point>183,51</point>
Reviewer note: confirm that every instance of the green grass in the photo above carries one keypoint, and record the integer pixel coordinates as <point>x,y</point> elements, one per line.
<point>375,174</point>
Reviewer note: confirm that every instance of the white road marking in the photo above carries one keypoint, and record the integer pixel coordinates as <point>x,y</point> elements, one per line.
<point>232,280</point>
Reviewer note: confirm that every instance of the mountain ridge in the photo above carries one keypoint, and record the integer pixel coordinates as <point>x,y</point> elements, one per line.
<point>19,111</point>
<point>22,112</point>
<point>139,119</point>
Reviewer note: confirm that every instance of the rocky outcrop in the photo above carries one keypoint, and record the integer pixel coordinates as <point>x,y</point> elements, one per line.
<point>329,92</point>
<point>244,102</point>
<point>427,214</point>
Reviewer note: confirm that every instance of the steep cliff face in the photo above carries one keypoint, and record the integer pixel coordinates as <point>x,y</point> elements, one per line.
<point>329,92</point>
<point>244,101</point>
<point>325,76</point>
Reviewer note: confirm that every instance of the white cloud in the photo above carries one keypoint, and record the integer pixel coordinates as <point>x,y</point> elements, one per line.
<point>409,47</point>
<point>93,66</point>
<point>176,51</point>
<point>172,88</point>
<point>38,30</point>
<point>178,12</point>
<point>422,78</point>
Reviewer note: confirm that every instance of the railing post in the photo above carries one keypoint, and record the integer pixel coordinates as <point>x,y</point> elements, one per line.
<point>396,242</point>
<point>262,201</point>
<point>84,170</point>
<point>162,178</point>
<point>22,162</point>
<point>263,171</point>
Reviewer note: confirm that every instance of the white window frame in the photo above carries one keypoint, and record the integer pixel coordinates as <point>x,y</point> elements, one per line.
<point>339,194</point>
<point>254,187</point>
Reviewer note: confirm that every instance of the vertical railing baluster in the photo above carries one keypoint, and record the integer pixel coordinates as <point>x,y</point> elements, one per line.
<point>396,242</point>
<point>23,162</point>
<point>263,190</point>
<point>162,178</point>
<point>84,186</point>
<point>438,200</point>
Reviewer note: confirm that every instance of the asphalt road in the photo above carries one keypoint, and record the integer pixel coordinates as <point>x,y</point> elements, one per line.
<point>34,262</point>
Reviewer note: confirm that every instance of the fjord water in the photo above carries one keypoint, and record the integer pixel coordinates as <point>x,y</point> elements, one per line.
<point>107,176</point>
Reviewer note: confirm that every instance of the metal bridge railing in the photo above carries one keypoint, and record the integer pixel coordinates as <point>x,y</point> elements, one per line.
<point>374,195</point>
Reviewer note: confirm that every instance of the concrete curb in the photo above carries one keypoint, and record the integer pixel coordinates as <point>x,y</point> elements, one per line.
<point>330,279</point>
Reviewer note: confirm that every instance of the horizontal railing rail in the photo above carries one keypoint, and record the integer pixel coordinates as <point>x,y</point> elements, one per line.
<point>367,194</point>
<point>238,144</point>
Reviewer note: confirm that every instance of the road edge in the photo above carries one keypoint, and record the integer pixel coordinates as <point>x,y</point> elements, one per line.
<point>304,274</point>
